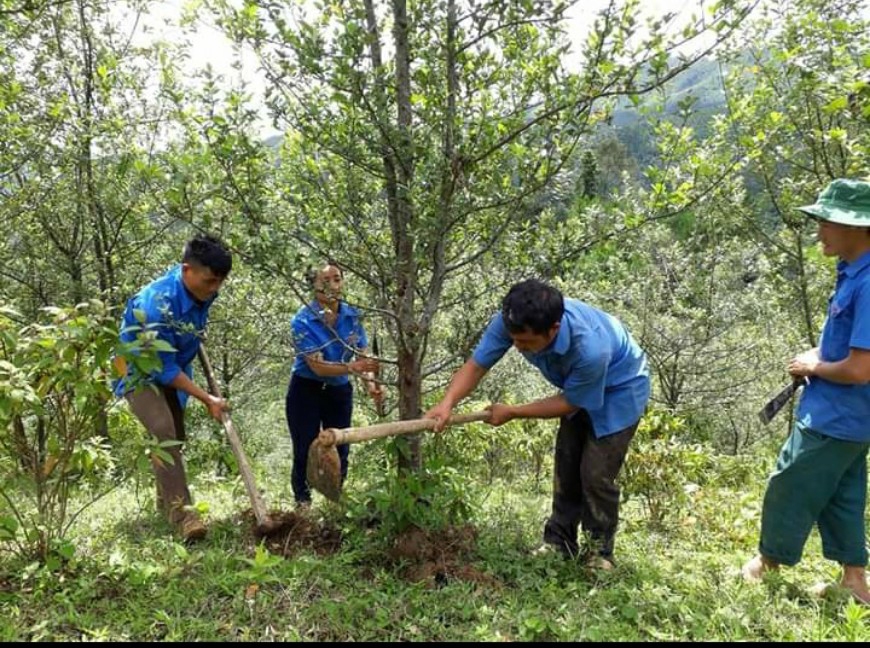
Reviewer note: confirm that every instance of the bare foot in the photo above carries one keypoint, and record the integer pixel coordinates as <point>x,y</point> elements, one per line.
<point>855,580</point>
<point>859,594</point>
<point>753,570</point>
<point>599,563</point>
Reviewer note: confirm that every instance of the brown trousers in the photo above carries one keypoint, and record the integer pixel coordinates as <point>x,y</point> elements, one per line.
<point>161,414</point>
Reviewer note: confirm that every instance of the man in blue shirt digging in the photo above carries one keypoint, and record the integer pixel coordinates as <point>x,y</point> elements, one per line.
<point>174,309</point>
<point>821,474</point>
<point>604,381</point>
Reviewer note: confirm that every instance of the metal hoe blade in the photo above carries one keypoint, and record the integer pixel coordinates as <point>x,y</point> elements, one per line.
<point>324,469</point>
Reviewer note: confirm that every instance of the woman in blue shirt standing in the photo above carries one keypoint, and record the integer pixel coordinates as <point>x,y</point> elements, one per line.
<point>821,474</point>
<point>330,344</point>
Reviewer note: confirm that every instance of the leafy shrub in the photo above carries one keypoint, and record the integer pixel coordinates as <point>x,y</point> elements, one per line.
<point>434,498</point>
<point>660,468</point>
<point>55,397</point>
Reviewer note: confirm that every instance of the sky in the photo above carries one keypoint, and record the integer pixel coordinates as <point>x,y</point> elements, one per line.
<point>208,45</point>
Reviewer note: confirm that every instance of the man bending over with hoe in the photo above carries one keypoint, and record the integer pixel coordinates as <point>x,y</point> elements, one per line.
<point>174,308</point>
<point>604,379</point>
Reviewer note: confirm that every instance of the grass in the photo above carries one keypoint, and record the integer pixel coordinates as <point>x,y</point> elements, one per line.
<point>132,580</point>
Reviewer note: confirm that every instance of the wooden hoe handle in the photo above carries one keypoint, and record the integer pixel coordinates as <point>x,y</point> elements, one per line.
<point>257,504</point>
<point>369,432</point>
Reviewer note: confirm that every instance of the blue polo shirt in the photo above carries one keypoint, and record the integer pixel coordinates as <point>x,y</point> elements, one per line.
<point>179,319</point>
<point>837,410</point>
<point>593,360</point>
<point>311,335</point>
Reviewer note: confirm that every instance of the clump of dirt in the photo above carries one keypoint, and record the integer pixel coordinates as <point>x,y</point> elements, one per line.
<point>435,557</point>
<point>431,557</point>
<point>294,532</point>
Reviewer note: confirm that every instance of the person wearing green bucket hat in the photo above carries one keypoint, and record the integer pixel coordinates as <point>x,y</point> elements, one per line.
<point>821,473</point>
<point>844,202</point>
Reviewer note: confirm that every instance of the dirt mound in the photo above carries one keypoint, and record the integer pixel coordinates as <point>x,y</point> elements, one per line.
<point>436,557</point>
<point>431,557</point>
<point>295,532</point>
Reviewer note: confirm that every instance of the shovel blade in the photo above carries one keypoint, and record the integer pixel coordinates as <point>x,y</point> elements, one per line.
<point>324,469</point>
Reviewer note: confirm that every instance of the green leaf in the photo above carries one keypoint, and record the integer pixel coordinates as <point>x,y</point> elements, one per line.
<point>180,551</point>
<point>840,25</point>
<point>65,549</point>
<point>163,456</point>
<point>840,103</point>
<point>8,527</point>
<point>162,345</point>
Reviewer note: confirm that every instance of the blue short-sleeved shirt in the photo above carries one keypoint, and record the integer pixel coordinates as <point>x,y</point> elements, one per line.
<point>593,360</point>
<point>838,410</point>
<point>180,320</point>
<point>312,335</point>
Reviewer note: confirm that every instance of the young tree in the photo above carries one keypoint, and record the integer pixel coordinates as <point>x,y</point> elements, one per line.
<point>729,199</point>
<point>790,122</point>
<point>418,135</point>
<point>588,175</point>
<point>82,122</point>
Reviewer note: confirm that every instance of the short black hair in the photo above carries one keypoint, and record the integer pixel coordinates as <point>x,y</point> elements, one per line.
<point>532,305</point>
<point>210,252</point>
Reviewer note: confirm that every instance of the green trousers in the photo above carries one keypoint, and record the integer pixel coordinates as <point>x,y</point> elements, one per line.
<point>818,480</point>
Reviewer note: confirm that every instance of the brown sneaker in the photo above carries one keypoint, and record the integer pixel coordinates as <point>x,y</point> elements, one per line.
<point>192,528</point>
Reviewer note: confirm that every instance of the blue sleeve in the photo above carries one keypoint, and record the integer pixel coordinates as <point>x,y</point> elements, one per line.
<point>494,344</point>
<point>585,385</point>
<point>304,339</point>
<point>360,332</point>
<point>860,338</point>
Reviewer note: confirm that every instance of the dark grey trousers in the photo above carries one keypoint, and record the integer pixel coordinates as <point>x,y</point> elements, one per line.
<point>161,414</point>
<point>585,491</point>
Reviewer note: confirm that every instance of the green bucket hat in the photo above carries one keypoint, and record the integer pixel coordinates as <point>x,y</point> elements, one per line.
<point>846,202</point>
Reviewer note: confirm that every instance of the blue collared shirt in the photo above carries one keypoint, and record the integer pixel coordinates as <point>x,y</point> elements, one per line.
<point>593,360</point>
<point>312,335</point>
<point>180,321</point>
<point>838,410</point>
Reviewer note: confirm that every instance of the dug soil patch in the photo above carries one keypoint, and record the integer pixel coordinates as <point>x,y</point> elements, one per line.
<point>296,532</point>
<point>436,557</point>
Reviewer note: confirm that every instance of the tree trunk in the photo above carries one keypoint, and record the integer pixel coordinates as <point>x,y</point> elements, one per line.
<point>410,383</point>
<point>803,289</point>
<point>406,268</point>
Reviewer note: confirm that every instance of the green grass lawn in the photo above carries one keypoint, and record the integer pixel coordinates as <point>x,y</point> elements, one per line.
<point>132,580</point>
